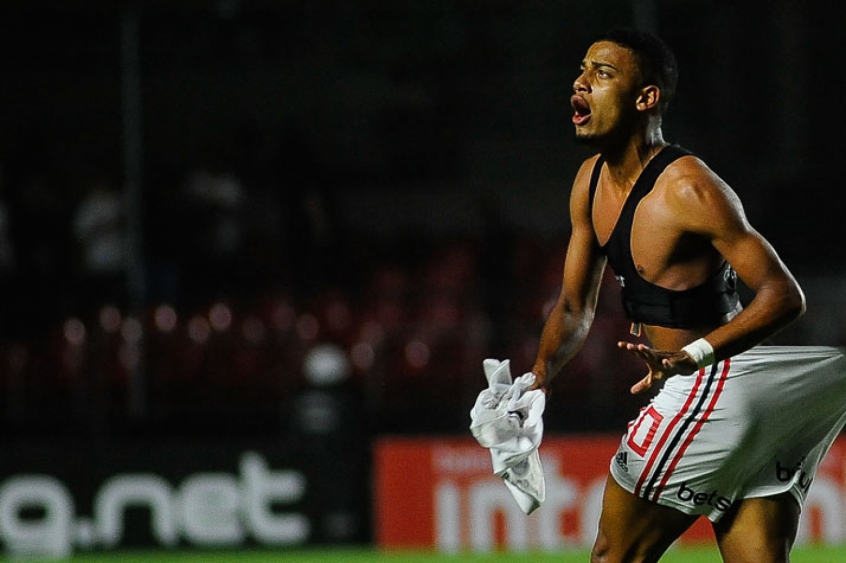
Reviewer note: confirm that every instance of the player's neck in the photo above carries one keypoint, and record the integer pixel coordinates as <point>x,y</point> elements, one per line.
<point>626,162</point>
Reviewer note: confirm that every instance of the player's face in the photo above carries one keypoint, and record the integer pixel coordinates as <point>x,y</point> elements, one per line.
<point>605,93</point>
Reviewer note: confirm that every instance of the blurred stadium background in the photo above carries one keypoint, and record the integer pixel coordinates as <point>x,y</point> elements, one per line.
<point>248,245</point>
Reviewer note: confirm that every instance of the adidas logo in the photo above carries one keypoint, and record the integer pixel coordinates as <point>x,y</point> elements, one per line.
<point>622,459</point>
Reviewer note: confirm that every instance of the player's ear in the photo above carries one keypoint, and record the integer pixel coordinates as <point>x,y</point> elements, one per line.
<point>648,98</point>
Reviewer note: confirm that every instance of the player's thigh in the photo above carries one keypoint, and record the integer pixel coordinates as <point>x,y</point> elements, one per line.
<point>759,529</point>
<point>632,529</point>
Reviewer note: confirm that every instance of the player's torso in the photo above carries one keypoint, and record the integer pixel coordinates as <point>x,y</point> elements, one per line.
<point>664,252</point>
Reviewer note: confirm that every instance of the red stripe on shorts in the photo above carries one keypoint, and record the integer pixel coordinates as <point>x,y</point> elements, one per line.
<point>695,431</point>
<point>667,433</point>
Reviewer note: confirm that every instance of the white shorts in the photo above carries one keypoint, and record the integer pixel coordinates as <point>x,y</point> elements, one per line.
<point>755,425</point>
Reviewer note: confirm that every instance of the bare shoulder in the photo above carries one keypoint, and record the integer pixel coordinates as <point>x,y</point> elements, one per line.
<point>692,189</point>
<point>581,183</point>
<point>585,170</point>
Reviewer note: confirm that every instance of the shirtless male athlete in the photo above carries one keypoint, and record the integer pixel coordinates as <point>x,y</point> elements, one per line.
<point>738,428</point>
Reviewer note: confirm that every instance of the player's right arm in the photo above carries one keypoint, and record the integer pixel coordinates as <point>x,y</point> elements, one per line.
<point>567,325</point>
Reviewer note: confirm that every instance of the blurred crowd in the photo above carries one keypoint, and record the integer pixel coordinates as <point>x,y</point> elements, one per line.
<point>251,297</point>
<point>244,291</point>
<point>202,306</point>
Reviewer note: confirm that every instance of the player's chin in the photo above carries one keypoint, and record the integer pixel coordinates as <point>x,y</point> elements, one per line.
<point>584,137</point>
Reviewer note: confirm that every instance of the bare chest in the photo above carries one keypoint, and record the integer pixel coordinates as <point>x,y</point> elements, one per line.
<point>658,244</point>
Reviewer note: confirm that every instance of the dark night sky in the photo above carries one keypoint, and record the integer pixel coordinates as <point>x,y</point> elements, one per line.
<point>359,98</point>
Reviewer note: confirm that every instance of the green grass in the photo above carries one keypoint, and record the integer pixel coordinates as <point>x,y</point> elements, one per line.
<point>832,554</point>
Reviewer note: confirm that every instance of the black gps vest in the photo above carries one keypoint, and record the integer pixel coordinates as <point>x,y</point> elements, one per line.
<point>645,302</point>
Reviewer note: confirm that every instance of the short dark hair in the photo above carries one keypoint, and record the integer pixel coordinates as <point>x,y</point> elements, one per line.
<point>658,64</point>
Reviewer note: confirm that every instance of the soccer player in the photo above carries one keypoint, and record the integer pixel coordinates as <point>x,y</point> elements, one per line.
<point>737,428</point>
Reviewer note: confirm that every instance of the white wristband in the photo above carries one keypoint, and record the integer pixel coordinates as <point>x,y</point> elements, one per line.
<point>701,351</point>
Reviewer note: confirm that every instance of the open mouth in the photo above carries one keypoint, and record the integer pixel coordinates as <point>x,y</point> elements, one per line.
<point>581,110</point>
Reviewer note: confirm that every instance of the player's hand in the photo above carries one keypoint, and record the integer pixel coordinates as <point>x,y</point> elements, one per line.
<point>539,383</point>
<point>661,364</point>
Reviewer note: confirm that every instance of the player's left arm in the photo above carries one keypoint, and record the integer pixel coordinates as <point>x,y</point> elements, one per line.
<point>698,202</point>
<point>711,208</point>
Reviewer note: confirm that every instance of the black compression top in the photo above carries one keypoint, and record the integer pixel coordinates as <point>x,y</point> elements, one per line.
<point>643,301</point>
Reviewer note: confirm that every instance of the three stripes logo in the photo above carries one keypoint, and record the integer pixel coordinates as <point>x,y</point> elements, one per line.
<point>622,459</point>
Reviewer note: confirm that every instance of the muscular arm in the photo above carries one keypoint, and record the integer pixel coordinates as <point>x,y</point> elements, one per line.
<point>778,300</point>
<point>706,206</point>
<point>698,202</point>
<point>570,319</point>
